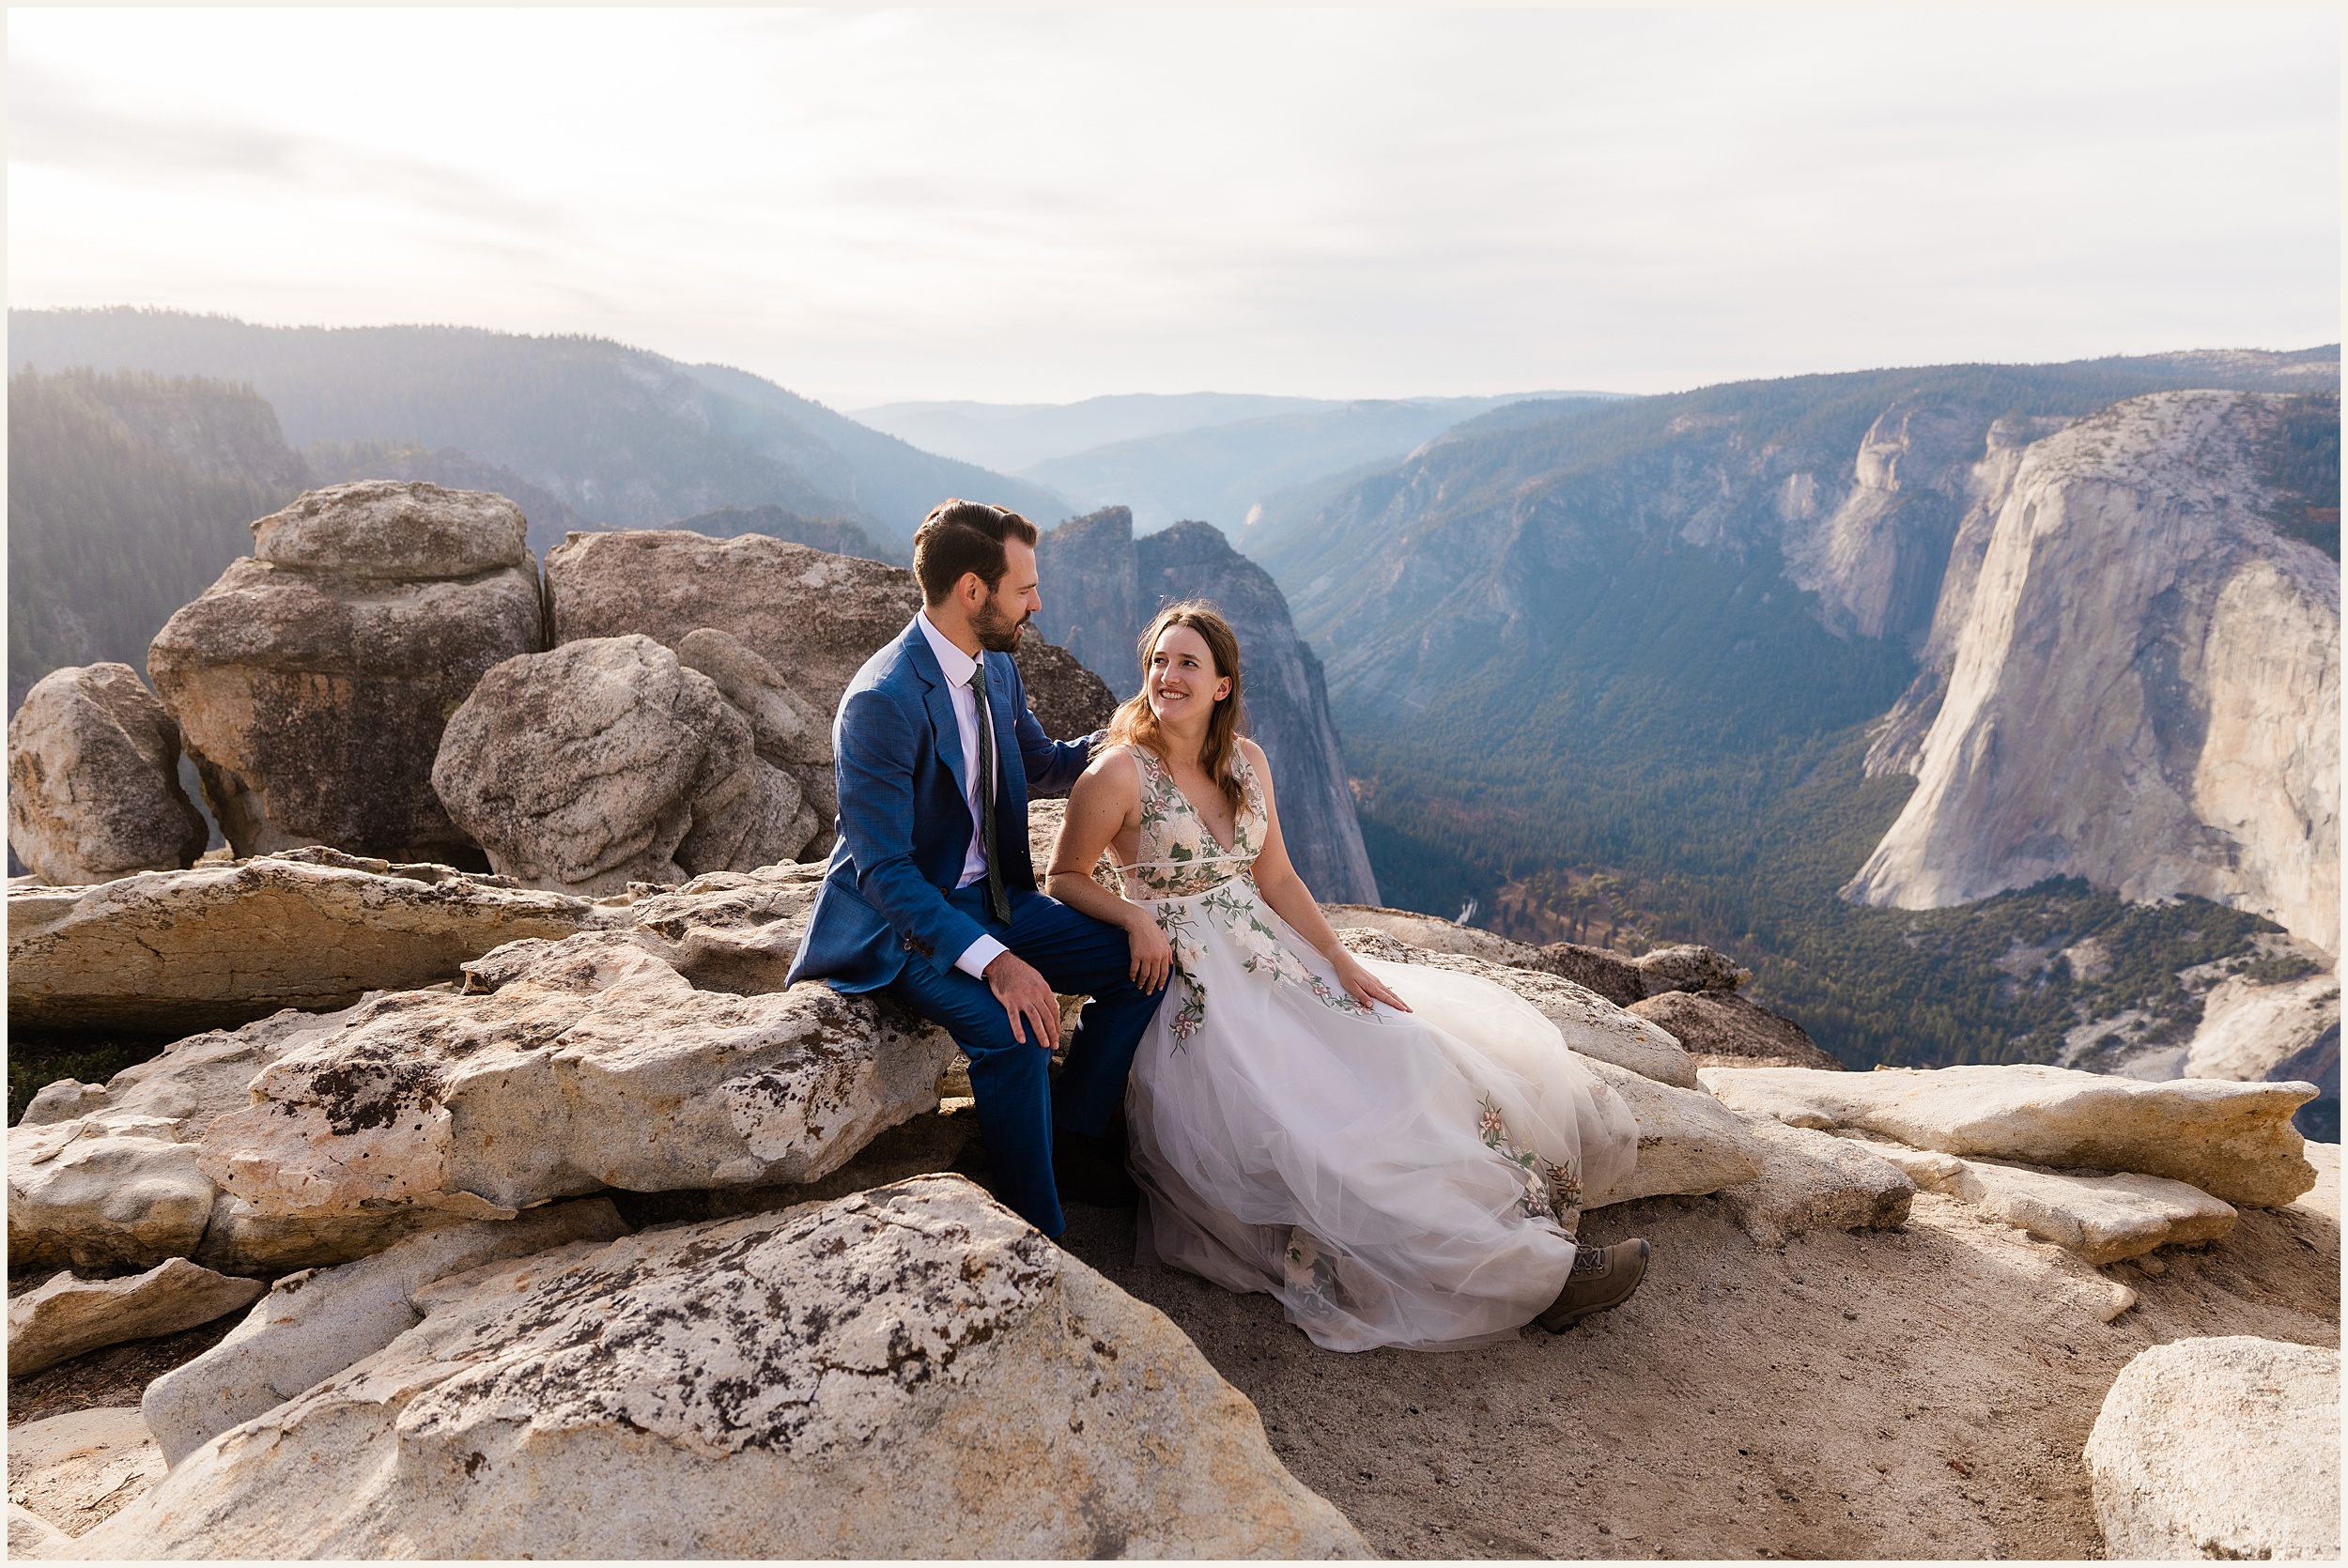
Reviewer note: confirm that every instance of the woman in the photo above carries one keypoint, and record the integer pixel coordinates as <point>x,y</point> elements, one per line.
<point>1300,1123</point>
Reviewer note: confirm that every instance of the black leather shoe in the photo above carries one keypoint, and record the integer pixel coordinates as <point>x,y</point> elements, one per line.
<point>1602,1277</point>
<point>1092,1171</point>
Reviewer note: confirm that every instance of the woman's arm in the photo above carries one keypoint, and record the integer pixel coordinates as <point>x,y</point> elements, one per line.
<point>1105,801</point>
<point>1292,901</point>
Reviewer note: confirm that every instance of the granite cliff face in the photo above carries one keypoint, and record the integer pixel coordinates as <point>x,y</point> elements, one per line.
<point>1101,586</point>
<point>2145,682</point>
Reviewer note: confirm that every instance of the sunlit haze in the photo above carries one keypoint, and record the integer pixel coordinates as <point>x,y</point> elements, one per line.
<point>1047,206</point>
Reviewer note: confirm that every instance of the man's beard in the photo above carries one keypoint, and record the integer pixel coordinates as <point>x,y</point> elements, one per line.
<point>996,632</point>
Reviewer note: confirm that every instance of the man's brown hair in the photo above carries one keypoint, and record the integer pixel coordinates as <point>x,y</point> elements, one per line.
<point>959,536</point>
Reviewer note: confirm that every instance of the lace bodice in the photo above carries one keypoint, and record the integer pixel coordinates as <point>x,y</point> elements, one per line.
<point>1177,856</point>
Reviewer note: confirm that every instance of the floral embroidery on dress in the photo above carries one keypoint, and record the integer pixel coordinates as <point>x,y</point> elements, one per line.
<point>1311,1274</point>
<point>1552,1191</point>
<point>1180,859</point>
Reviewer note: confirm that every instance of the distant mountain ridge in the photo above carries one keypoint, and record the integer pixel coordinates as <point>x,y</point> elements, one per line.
<point>1225,473</point>
<point>618,435</point>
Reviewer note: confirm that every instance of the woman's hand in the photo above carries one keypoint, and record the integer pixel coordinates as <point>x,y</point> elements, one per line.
<point>1154,955</point>
<point>1361,985</point>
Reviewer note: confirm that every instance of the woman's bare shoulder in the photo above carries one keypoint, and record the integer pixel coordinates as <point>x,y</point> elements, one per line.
<point>1115,767</point>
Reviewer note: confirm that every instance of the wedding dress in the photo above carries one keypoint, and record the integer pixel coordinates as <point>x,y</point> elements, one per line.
<point>1394,1178</point>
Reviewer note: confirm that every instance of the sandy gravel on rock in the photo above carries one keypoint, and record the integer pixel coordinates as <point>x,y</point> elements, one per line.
<point>1874,1395</point>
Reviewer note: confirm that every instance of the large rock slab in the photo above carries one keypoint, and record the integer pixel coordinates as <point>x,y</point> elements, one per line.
<point>315,1323</point>
<point>2102,1218</point>
<point>565,1067</point>
<point>93,780</point>
<point>2221,1447</point>
<point>909,1372</point>
<point>394,530</point>
<point>1592,1025</point>
<point>59,1320</point>
<point>93,1195</point>
<point>2235,1141</point>
<point>814,616</point>
<point>1689,1143</point>
<point>310,689</point>
<point>1720,1028</point>
<point>1813,1181</point>
<point>222,944</point>
<point>75,1471</point>
<point>116,1183</point>
<point>606,761</point>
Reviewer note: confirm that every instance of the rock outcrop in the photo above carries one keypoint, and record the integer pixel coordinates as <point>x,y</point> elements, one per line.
<point>2221,1447</point>
<point>2101,1218</point>
<point>1617,976</point>
<point>908,1372</point>
<point>787,731</point>
<point>2249,1029</point>
<point>1100,586</point>
<point>606,762</point>
<point>2234,1141</point>
<point>59,1320</point>
<point>1720,1028</point>
<point>317,1322</point>
<point>1689,1143</point>
<point>93,780</point>
<point>312,681</point>
<point>2146,693</point>
<point>222,945</point>
<point>1813,1181</point>
<point>567,1067</point>
<point>817,617</point>
<point>117,1184</point>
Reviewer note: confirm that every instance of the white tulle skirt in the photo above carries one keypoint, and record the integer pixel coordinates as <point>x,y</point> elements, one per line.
<point>1407,1179</point>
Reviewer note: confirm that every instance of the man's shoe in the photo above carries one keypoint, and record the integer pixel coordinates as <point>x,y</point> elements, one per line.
<point>1092,1171</point>
<point>1602,1277</point>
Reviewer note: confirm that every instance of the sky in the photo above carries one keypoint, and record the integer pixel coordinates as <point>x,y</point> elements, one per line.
<point>1042,205</point>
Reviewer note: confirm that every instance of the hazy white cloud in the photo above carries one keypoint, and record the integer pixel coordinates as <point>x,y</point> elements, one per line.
<point>1051,203</point>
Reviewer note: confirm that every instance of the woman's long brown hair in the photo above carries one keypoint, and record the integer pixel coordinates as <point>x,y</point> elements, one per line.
<point>1134,723</point>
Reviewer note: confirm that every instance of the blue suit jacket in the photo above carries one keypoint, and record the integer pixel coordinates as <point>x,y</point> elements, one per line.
<point>905,824</point>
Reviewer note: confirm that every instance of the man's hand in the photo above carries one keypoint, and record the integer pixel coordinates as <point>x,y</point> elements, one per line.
<point>1025,995</point>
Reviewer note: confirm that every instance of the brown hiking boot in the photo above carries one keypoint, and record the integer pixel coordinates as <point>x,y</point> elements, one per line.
<point>1602,1277</point>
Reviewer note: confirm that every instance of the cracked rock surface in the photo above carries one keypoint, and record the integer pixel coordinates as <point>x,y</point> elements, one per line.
<point>907,1371</point>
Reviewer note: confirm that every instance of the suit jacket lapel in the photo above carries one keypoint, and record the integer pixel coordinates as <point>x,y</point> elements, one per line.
<point>946,732</point>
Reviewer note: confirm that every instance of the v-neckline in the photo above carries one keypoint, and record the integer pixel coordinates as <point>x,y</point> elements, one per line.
<point>1190,806</point>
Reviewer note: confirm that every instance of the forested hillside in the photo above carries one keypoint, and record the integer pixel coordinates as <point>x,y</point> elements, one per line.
<point>617,434</point>
<point>127,494</point>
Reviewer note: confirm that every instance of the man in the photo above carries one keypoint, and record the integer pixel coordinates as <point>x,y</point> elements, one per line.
<point>931,894</point>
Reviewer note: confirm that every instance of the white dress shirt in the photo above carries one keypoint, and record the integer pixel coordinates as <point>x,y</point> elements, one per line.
<point>959,668</point>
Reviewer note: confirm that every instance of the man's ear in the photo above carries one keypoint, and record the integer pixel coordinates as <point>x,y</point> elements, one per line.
<point>970,592</point>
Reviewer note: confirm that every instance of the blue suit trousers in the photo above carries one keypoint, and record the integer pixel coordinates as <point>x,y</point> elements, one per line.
<point>1018,1104</point>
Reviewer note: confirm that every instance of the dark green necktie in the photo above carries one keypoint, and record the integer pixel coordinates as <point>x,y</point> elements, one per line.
<point>996,899</point>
